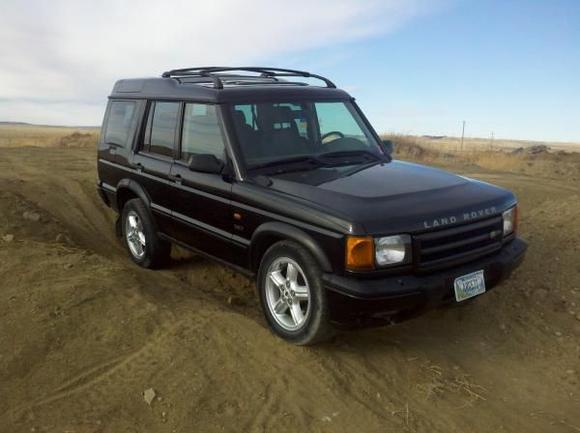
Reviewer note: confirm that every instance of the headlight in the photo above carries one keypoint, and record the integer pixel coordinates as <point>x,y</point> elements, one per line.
<point>510,221</point>
<point>392,250</point>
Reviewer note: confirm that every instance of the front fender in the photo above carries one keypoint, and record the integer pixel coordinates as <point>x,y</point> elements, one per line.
<point>276,230</point>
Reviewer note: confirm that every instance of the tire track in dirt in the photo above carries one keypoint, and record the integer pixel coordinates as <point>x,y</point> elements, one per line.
<point>66,195</point>
<point>98,383</point>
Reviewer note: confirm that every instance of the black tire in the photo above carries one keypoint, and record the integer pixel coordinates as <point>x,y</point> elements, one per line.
<point>156,251</point>
<point>317,327</point>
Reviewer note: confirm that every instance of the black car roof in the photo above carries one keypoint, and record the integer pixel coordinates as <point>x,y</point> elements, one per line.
<point>219,84</point>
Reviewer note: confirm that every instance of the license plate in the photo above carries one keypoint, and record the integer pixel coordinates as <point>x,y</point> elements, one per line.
<point>468,286</point>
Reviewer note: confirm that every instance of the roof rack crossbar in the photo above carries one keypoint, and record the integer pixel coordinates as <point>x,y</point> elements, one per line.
<point>217,83</point>
<point>211,71</point>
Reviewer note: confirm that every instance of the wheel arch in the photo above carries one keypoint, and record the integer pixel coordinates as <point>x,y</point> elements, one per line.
<point>128,189</point>
<point>269,233</point>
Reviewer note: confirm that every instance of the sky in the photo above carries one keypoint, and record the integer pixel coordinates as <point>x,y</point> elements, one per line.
<point>509,68</point>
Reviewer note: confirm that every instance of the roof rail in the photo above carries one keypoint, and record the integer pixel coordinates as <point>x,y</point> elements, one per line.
<point>212,72</point>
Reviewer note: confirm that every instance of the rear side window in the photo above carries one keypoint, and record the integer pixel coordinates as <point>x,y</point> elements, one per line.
<point>201,132</point>
<point>121,123</point>
<point>161,128</point>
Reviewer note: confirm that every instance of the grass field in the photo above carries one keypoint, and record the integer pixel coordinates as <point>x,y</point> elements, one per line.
<point>470,144</point>
<point>18,135</point>
<point>550,164</point>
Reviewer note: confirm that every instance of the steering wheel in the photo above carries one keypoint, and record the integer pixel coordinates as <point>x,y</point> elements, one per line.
<point>330,134</point>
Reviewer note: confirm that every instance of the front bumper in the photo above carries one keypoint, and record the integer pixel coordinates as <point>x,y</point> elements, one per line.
<point>397,297</point>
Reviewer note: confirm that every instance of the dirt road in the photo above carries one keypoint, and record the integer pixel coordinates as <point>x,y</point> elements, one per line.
<point>84,332</point>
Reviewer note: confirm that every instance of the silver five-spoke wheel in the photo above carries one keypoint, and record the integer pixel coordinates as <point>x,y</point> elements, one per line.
<point>287,293</point>
<point>134,234</point>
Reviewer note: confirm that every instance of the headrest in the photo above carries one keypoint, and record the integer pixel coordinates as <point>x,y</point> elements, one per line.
<point>240,117</point>
<point>283,115</point>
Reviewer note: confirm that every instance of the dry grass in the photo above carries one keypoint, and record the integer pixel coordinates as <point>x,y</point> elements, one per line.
<point>438,382</point>
<point>552,164</point>
<point>453,144</point>
<point>16,135</point>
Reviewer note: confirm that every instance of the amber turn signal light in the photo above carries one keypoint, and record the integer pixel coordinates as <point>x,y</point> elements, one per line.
<point>360,253</point>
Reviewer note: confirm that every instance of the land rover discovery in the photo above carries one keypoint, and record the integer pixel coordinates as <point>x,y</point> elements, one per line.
<point>287,182</point>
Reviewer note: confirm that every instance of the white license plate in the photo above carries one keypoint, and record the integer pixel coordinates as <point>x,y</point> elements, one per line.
<point>468,286</point>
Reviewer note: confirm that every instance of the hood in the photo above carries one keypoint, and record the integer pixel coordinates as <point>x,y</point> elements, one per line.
<point>395,197</point>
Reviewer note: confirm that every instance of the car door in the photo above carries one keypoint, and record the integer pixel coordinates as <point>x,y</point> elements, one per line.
<point>202,207</point>
<point>154,158</point>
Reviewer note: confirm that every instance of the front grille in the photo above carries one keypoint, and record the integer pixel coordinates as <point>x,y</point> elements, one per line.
<point>449,247</point>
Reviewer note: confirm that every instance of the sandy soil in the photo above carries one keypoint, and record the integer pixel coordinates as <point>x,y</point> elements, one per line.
<point>84,332</point>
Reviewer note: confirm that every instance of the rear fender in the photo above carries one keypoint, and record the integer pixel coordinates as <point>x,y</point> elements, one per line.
<point>128,187</point>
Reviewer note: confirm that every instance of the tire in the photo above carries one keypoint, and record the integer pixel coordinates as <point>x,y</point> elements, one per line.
<point>281,295</point>
<point>140,236</point>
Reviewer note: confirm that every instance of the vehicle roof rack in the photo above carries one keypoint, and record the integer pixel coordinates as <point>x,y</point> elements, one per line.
<point>213,74</point>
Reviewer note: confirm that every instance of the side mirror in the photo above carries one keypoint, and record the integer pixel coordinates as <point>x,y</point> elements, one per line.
<point>206,163</point>
<point>389,147</point>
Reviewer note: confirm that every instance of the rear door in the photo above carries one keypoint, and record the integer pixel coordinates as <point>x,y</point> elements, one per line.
<point>153,160</point>
<point>202,207</point>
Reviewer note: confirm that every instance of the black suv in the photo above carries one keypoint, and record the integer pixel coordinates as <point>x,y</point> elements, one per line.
<point>288,183</point>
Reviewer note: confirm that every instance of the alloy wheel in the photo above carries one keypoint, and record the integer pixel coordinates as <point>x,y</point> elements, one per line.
<point>287,293</point>
<point>135,235</point>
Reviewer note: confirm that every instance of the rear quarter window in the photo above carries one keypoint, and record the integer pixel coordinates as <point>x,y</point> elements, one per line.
<point>121,123</point>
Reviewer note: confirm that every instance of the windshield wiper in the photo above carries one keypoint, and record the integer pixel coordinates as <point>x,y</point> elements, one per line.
<point>309,159</point>
<point>323,160</point>
<point>353,153</point>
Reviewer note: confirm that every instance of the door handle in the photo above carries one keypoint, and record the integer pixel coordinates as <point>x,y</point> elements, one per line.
<point>176,178</point>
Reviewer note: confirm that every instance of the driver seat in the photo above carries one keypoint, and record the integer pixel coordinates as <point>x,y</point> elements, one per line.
<point>281,136</point>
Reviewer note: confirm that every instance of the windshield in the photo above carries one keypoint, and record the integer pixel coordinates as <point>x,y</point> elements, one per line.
<point>278,133</point>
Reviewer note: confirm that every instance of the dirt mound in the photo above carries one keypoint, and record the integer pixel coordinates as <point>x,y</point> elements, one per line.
<point>408,148</point>
<point>58,185</point>
<point>22,219</point>
<point>532,150</point>
<point>77,139</point>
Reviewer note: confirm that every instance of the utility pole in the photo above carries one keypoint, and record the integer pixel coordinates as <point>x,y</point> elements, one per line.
<point>462,134</point>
